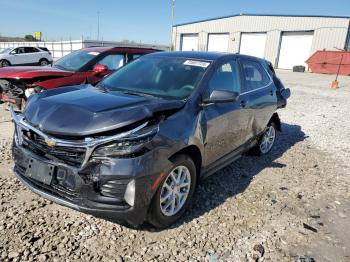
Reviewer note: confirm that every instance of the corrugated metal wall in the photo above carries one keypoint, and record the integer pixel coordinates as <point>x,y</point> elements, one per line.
<point>329,33</point>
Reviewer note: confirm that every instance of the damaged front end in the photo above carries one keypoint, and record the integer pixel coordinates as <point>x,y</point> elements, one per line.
<point>17,92</point>
<point>100,175</point>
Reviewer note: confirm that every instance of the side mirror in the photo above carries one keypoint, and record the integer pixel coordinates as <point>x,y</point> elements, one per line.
<point>99,69</point>
<point>285,93</point>
<point>221,96</point>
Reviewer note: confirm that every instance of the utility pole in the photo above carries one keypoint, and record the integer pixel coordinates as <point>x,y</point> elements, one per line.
<point>98,25</point>
<point>172,24</point>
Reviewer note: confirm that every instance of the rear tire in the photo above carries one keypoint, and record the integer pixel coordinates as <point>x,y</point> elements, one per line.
<point>177,189</point>
<point>44,62</point>
<point>266,141</point>
<point>4,63</point>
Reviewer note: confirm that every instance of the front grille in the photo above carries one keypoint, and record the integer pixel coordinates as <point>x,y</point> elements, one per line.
<point>73,156</point>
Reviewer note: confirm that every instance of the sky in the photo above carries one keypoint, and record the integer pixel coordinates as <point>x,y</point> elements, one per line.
<point>147,21</point>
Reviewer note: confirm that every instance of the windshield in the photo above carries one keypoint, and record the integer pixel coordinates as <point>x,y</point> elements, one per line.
<point>165,77</point>
<point>6,50</point>
<point>74,61</point>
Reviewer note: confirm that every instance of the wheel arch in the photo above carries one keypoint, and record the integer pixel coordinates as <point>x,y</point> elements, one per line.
<point>1,60</point>
<point>194,153</point>
<point>277,121</point>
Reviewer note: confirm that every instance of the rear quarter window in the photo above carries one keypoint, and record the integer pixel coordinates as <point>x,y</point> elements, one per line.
<point>254,75</point>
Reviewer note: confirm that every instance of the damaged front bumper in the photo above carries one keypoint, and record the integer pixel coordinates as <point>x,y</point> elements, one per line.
<point>116,188</point>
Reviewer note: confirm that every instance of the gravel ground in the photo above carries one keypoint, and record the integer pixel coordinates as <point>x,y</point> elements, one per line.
<point>293,203</point>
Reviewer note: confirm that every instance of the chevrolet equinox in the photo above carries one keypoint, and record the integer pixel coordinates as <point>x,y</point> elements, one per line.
<point>134,147</point>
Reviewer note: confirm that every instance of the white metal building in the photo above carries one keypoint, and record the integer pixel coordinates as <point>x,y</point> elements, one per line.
<point>285,40</point>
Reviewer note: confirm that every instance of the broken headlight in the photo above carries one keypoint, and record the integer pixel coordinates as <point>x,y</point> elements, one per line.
<point>127,146</point>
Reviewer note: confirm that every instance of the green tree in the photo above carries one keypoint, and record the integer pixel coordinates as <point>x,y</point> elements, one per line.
<point>29,38</point>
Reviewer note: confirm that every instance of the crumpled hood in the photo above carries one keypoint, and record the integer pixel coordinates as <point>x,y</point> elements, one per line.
<point>25,72</point>
<point>84,110</point>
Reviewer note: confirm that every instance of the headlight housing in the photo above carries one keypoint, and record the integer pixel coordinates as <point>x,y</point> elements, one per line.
<point>128,146</point>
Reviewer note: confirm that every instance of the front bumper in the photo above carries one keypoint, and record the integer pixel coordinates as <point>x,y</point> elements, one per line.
<point>101,198</point>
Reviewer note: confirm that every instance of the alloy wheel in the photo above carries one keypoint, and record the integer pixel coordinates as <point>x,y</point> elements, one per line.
<point>268,140</point>
<point>175,191</point>
<point>43,63</point>
<point>5,64</point>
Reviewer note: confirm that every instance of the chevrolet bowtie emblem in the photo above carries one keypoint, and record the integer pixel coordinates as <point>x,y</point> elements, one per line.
<point>50,143</point>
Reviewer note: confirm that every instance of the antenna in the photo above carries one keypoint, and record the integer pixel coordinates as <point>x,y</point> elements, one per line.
<point>172,23</point>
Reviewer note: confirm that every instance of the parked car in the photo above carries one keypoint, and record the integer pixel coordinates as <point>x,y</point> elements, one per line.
<point>24,55</point>
<point>134,147</point>
<point>88,65</point>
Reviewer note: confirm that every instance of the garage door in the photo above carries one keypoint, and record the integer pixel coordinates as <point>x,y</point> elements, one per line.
<point>218,42</point>
<point>253,44</point>
<point>189,42</point>
<point>295,49</point>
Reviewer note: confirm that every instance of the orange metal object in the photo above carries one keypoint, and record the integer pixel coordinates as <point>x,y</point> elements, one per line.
<point>330,62</point>
<point>335,84</point>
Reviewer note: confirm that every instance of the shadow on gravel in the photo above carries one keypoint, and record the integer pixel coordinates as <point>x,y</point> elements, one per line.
<point>236,177</point>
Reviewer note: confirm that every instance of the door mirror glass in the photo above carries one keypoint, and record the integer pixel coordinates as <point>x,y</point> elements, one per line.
<point>221,96</point>
<point>99,69</point>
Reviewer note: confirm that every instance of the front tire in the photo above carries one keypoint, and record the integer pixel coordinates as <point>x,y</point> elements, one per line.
<point>4,63</point>
<point>174,193</point>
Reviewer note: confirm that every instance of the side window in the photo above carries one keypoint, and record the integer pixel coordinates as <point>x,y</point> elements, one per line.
<point>254,75</point>
<point>226,78</point>
<point>30,50</point>
<point>14,51</point>
<point>113,61</point>
<point>20,50</point>
<point>132,57</point>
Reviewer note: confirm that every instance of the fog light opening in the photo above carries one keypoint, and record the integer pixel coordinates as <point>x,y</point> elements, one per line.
<point>129,195</point>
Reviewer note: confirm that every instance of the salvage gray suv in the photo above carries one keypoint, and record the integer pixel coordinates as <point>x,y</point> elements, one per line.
<point>134,147</point>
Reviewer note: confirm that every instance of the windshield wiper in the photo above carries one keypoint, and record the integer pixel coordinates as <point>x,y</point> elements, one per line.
<point>131,93</point>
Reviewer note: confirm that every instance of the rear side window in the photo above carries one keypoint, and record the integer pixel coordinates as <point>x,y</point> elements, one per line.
<point>31,50</point>
<point>226,78</point>
<point>254,75</point>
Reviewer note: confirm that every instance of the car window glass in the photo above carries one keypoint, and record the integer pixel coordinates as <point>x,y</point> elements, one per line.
<point>226,78</point>
<point>113,61</point>
<point>161,76</point>
<point>6,50</point>
<point>254,75</point>
<point>135,56</point>
<point>76,60</point>
<point>20,50</point>
<point>30,50</point>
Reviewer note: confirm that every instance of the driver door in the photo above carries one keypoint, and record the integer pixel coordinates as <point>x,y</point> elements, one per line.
<point>112,61</point>
<point>18,56</point>
<point>226,124</point>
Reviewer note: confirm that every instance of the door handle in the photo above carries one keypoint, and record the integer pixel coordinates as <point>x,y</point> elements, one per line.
<point>243,103</point>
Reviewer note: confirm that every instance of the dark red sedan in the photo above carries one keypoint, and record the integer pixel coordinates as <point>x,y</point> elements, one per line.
<point>88,65</point>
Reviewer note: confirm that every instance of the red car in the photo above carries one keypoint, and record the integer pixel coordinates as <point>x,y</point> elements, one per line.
<point>87,65</point>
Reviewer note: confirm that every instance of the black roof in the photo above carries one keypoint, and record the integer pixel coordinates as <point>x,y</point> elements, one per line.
<point>198,55</point>
<point>247,14</point>
<point>192,55</point>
